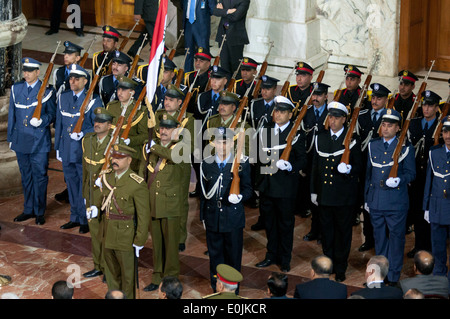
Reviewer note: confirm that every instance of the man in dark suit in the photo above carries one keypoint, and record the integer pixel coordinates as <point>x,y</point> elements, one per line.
<point>146,10</point>
<point>55,19</point>
<point>376,271</point>
<point>197,27</point>
<point>321,287</point>
<point>424,280</point>
<point>233,14</point>
<point>334,184</point>
<point>277,286</point>
<point>278,183</point>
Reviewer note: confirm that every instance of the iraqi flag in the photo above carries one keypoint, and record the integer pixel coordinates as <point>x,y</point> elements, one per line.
<point>156,52</point>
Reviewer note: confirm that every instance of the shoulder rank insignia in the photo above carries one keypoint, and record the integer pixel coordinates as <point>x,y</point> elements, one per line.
<point>137,178</point>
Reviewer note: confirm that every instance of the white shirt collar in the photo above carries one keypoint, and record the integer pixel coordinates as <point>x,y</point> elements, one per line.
<point>338,132</point>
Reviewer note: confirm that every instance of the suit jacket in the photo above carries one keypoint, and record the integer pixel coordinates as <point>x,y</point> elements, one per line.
<point>202,14</point>
<point>320,288</point>
<point>236,31</point>
<point>427,284</point>
<point>383,292</point>
<point>148,9</point>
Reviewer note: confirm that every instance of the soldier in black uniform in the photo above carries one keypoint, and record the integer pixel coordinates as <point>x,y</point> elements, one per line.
<point>421,131</point>
<point>404,99</point>
<point>61,75</point>
<point>248,74</point>
<point>110,38</point>
<point>278,183</point>
<point>299,93</point>
<point>334,185</point>
<point>202,65</point>
<point>352,91</point>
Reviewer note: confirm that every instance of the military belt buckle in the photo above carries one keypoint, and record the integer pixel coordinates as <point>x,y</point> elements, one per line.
<point>219,204</point>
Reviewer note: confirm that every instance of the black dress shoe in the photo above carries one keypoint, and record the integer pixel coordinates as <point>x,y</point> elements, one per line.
<point>70,225</point>
<point>257,226</point>
<point>151,287</point>
<point>365,247</point>
<point>340,277</point>
<point>181,247</point>
<point>265,263</point>
<point>63,196</point>
<point>84,229</point>
<point>50,32</point>
<point>79,33</point>
<point>40,220</point>
<point>23,216</point>
<point>310,237</point>
<point>285,268</point>
<point>92,273</point>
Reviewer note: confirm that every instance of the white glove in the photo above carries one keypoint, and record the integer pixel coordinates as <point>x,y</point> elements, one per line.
<point>426,216</point>
<point>127,141</point>
<point>76,136</point>
<point>284,165</point>
<point>10,143</point>
<point>314,199</point>
<point>137,249</point>
<point>393,182</point>
<point>344,168</point>
<point>57,156</point>
<point>98,182</point>
<point>234,199</point>
<point>147,148</point>
<point>92,212</point>
<point>35,122</point>
<point>366,207</point>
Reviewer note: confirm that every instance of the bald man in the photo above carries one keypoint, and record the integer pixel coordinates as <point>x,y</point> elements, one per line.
<point>424,280</point>
<point>320,286</point>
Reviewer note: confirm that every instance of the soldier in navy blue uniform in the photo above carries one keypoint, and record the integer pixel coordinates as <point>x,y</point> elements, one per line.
<point>278,183</point>
<point>30,138</point>
<point>299,92</point>
<point>261,108</point>
<point>107,86</point>
<point>351,93</point>
<point>208,101</point>
<point>333,187</point>
<point>72,55</point>
<point>110,39</point>
<point>221,212</point>
<point>312,125</point>
<point>68,143</point>
<point>404,99</point>
<point>387,197</point>
<point>436,200</point>
<point>421,134</point>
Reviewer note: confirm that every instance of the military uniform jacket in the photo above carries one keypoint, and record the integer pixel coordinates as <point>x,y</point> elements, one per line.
<point>107,89</point>
<point>332,187</point>
<point>24,137</point>
<point>200,82</point>
<point>139,129</point>
<point>298,96</point>
<point>206,106</point>
<point>350,97</point>
<point>187,123</point>
<point>126,209</point>
<point>166,199</point>
<point>240,88</point>
<point>93,161</point>
<point>422,142</point>
<point>378,195</point>
<point>403,106</point>
<point>312,127</point>
<point>67,115</point>
<point>60,80</point>
<point>270,180</point>
<point>259,114</point>
<point>366,129</point>
<point>97,60</point>
<point>436,198</point>
<point>217,212</point>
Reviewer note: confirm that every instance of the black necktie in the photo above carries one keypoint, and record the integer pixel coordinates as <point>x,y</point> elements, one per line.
<point>386,145</point>
<point>267,106</point>
<point>116,83</point>
<point>425,127</point>
<point>374,117</point>
<point>334,137</point>
<point>29,89</point>
<point>215,97</point>
<point>317,115</point>
<point>75,98</point>
<point>221,166</point>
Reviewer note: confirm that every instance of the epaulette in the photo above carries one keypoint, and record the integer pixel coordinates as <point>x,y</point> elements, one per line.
<point>211,295</point>
<point>375,139</point>
<point>363,111</point>
<point>96,53</point>
<point>435,147</point>
<point>137,178</point>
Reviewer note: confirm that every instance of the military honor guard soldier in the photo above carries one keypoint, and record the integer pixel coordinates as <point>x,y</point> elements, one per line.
<point>221,212</point>
<point>30,138</point>
<point>436,200</point>
<point>68,143</point>
<point>248,74</point>
<point>334,185</point>
<point>110,39</point>
<point>72,55</point>
<point>350,94</point>
<point>228,280</point>
<point>386,198</point>
<point>299,92</point>
<point>404,99</point>
<point>94,146</point>
<point>125,220</point>
<point>261,108</point>
<point>202,65</point>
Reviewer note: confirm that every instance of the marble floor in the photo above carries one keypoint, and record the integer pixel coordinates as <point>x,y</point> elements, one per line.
<point>37,256</point>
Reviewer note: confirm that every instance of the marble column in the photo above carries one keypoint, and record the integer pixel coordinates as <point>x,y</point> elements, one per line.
<point>293,27</point>
<point>13,28</point>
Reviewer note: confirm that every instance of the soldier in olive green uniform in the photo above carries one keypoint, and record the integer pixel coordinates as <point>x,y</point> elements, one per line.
<point>139,130</point>
<point>172,104</point>
<point>94,146</point>
<point>125,221</point>
<point>166,200</point>
<point>228,280</point>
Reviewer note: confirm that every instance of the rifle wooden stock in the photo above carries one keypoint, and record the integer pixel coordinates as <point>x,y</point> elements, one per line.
<point>180,73</point>
<point>86,54</point>
<point>141,97</point>
<point>257,88</point>
<point>231,84</point>
<point>235,188</point>
<point>38,110</point>
<point>87,99</point>
<point>136,58</point>
<point>174,48</point>
<point>184,106</point>
<point>113,140</point>
<point>437,132</point>
<point>239,111</point>
<point>285,88</point>
<point>127,38</point>
<point>216,62</point>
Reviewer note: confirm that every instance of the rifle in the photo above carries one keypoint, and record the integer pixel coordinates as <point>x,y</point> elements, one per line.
<point>287,150</point>
<point>87,99</point>
<point>234,188</point>
<point>86,54</point>
<point>398,149</point>
<point>38,110</point>
<point>126,131</point>
<point>216,61</point>
<point>180,74</point>
<point>136,59</point>
<point>233,78</point>
<point>187,99</point>
<point>127,38</point>
<point>242,105</point>
<point>345,158</point>
<point>286,84</point>
<point>262,71</point>
<point>437,131</point>
<point>174,48</point>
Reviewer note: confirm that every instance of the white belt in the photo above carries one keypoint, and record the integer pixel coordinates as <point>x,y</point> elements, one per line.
<point>377,165</point>
<point>22,106</point>
<point>337,153</point>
